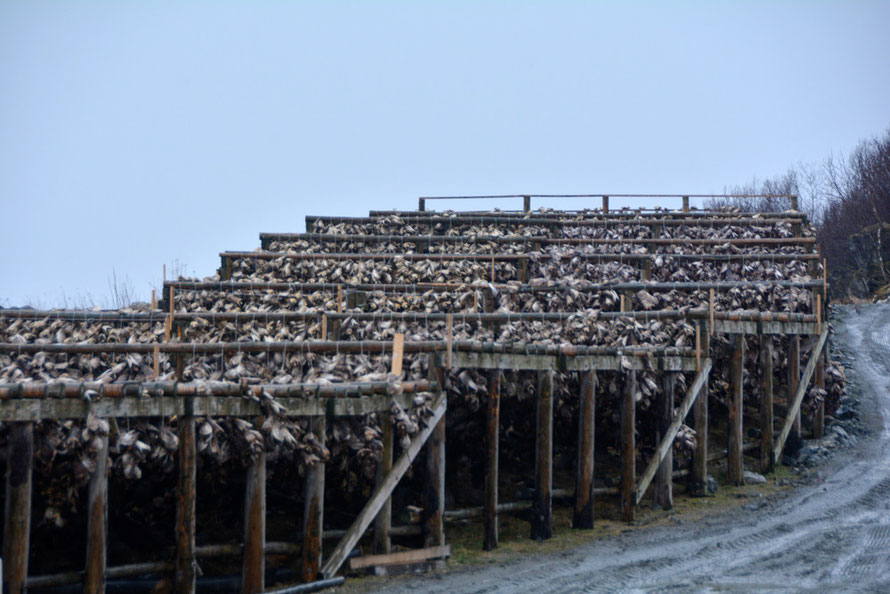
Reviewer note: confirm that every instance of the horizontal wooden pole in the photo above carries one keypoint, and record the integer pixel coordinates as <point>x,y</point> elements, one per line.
<point>34,409</point>
<point>605,362</point>
<point>485,258</point>
<point>488,219</point>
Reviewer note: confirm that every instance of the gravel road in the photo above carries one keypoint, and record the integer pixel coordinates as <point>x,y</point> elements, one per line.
<point>833,532</point>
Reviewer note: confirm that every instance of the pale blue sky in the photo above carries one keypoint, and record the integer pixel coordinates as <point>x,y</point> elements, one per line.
<point>133,134</point>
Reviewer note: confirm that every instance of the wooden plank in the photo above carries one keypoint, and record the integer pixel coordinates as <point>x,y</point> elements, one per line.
<point>583,516</point>
<point>628,447</point>
<point>17,507</point>
<point>490,516</point>
<point>313,509</point>
<point>97,522</point>
<point>798,395</point>
<point>383,521</point>
<point>696,390</point>
<point>398,352</point>
<point>664,479</point>
<point>434,490</point>
<point>735,467</point>
<point>381,493</point>
<point>401,558</point>
<point>134,406</point>
<point>508,361</point>
<point>723,326</point>
<point>542,511</point>
<point>766,403</point>
<point>793,381</point>
<point>185,566</point>
<point>253,579</point>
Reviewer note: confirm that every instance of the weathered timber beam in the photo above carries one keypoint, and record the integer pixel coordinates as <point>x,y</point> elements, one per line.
<point>17,507</point>
<point>401,558</point>
<point>313,509</point>
<point>185,570</point>
<point>798,395</point>
<point>492,443</point>
<point>766,403</point>
<point>450,222</point>
<point>668,440</point>
<point>584,490</point>
<point>735,465</point>
<point>542,509</point>
<point>253,569</point>
<point>505,361</point>
<point>97,523</point>
<point>33,409</point>
<point>381,493</point>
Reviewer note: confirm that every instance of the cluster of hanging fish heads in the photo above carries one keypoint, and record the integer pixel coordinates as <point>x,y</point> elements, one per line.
<point>406,269</point>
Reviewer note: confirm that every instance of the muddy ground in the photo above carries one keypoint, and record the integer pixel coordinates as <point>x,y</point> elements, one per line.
<point>830,532</point>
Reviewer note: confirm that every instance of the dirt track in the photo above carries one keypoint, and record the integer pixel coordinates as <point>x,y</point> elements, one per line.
<point>831,533</point>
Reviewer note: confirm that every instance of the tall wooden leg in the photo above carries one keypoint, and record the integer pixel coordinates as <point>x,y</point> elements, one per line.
<point>766,403</point>
<point>17,510</point>
<point>383,521</point>
<point>819,415</point>
<point>628,447</point>
<point>542,513</point>
<point>253,572</point>
<point>490,513</point>
<point>735,469</point>
<point>434,508</point>
<point>793,382</point>
<point>186,567</point>
<point>97,520</point>
<point>664,481</point>
<point>583,517</point>
<point>313,510</point>
<point>700,457</point>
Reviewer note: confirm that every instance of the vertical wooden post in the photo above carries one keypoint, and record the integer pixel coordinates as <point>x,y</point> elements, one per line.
<point>735,470</point>
<point>699,482</point>
<point>542,512</point>
<point>17,509</point>
<point>793,200</point>
<point>383,521</point>
<point>526,203</point>
<point>313,509</point>
<point>766,403</point>
<point>490,511</point>
<point>819,415</point>
<point>793,381</point>
<point>685,203</point>
<point>185,571</point>
<point>628,447</point>
<point>97,508</point>
<point>434,508</point>
<point>664,481</point>
<point>254,565</point>
<point>583,517</point>
<point>605,204</point>
<point>421,204</point>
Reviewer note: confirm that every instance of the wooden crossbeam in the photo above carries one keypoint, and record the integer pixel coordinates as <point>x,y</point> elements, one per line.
<point>382,493</point>
<point>791,414</point>
<point>668,440</point>
<point>401,558</point>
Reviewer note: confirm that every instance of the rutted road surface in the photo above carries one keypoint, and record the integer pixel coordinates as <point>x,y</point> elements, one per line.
<point>832,533</point>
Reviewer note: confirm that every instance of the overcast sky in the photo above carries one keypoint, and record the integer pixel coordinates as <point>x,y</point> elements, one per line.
<point>135,134</point>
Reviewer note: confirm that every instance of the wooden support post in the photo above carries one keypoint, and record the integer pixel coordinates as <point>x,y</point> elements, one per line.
<point>254,565</point>
<point>421,204</point>
<point>793,382</point>
<point>605,204</point>
<point>434,500</point>
<point>664,480</point>
<point>766,403</point>
<point>796,399</point>
<point>819,414</point>
<point>685,203</point>
<point>793,200</point>
<point>583,517</point>
<point>185,570</point>
<point>628,447</point>
<point>699,475</point>
<point>490,512</point>
<point>542,512</point>
<point>398,352</point>
<point>735,466</point>
<point>17,508</point>
<point>383,521</point>
<point>313,509</point>
<point>97,521</point>
<point>526,203</point>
